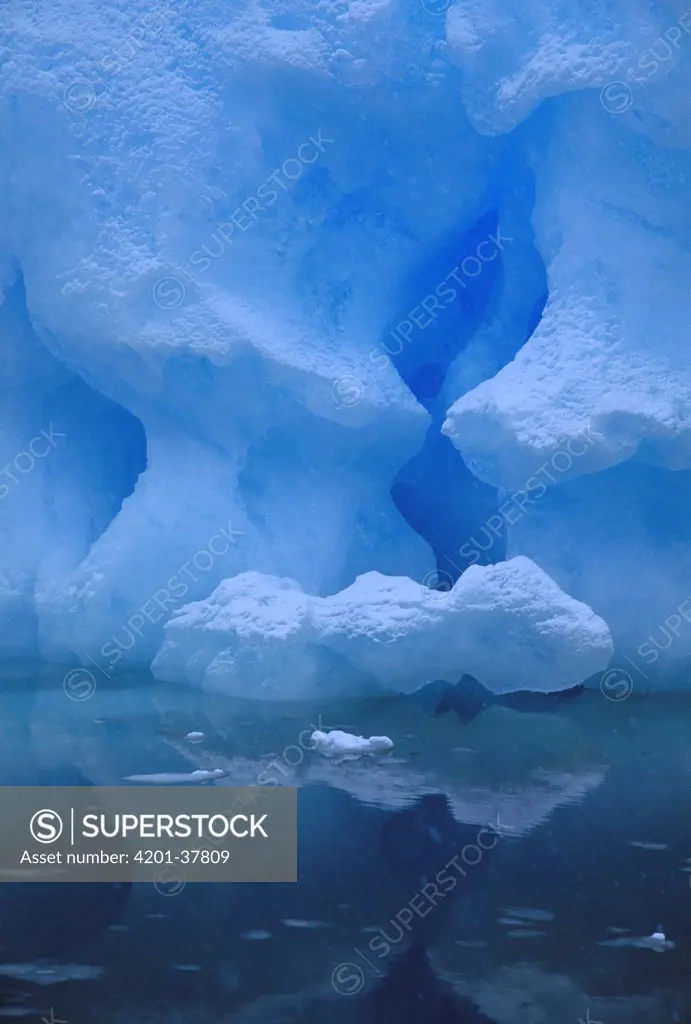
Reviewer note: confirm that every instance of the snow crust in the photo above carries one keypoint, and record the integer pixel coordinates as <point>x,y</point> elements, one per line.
<point>507,625</point>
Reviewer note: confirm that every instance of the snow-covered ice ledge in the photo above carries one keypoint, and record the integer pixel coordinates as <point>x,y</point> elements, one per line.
<point>509,625</point>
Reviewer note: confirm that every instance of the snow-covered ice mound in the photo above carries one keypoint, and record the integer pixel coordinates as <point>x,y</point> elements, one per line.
<point>344,746</point>
<point>508,625</point>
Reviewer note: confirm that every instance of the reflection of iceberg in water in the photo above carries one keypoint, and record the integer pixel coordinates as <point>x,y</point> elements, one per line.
<point>544,780</point>
<point>520,767</point>
<point>545,995</point>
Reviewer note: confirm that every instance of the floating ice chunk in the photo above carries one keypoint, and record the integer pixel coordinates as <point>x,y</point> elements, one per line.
<point>648,846</point>
<point>525,933</point>
<point>47,972</point>
<point>658,942</point>
<point>294,922</point>
<point>345,745</point>
<point>530,913</point>
<point>194,737</point>
<point>170,778</point>
<point>256,936</point>
<point>508,625</point>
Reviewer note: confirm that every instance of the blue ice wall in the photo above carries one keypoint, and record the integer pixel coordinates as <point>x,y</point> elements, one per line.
<point>339,282</point>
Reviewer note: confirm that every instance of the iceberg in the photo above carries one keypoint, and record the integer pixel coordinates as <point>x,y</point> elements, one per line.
<point>297,299</point>
<point>508,625</point>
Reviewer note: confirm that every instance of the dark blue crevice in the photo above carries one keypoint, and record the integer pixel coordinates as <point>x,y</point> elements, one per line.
<point>436,492</point>
<point>441,306</point>
<point>103,453</point>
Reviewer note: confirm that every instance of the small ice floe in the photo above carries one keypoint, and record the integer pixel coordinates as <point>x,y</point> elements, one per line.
<point>613,930</point>
<point>529,913</point>
<point>18,1011</point>
<point>156,917</point>
<point>471,943</point>
<point>170,778</point>
<point>648,846</point>
<point>293,922</point>
<point>345,746</point>
<point>256,936</point>
<point>47,972</point>
<point>658,942</point>
<point>525,933</point>
<point>194,737</point>
<point>187,968</point>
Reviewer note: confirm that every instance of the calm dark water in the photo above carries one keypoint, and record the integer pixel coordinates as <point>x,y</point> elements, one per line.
<point>588,807</point>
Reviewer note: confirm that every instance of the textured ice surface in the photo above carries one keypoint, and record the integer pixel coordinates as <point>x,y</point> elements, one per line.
<point>610,347</point>
<point>341,744</point>
<point>254,256</point>
<point>237,344</point>
<point>620,542</point>
<point>507,625</point>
